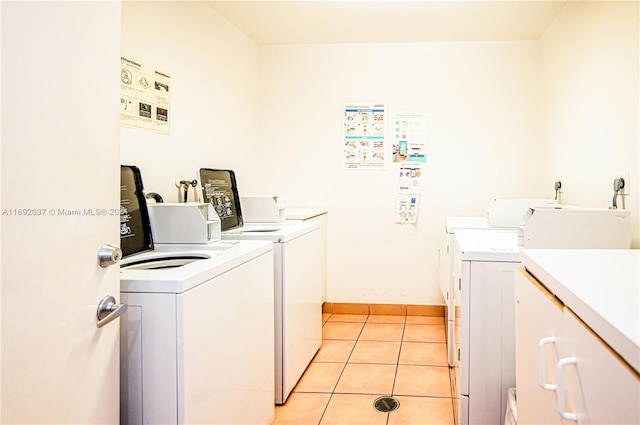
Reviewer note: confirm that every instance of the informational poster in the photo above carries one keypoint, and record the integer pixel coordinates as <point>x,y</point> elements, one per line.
<point>408,193</point>
<point>364,135</point>
<point>409,137</point>
<point>145,100</point>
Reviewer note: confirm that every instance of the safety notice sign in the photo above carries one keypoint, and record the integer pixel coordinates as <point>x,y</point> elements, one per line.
<point>145,100</point>
<point>363,136</point>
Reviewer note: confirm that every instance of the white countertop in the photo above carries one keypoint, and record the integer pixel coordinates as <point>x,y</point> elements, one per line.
<point>602,287</point>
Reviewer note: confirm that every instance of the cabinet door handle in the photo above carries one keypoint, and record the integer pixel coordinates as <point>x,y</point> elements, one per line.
<point>561,390</point>
<point>542,368</point>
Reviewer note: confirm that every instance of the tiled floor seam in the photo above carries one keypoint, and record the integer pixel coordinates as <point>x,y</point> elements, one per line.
<point>397,364</point>
<point>393,393</point>
<point>393,387</point>
<point>331,395</point>
<point>395,376</point>
<point>396,372</point>
<point>341,373</point>
<point>325,408</point>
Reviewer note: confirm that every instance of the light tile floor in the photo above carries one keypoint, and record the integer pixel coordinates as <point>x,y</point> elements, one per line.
<point>366,356</point>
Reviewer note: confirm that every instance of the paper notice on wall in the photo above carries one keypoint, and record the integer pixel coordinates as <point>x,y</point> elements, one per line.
<point>364,136</point>
<point>145,100</point>
<point>409,137</point>
<point>408,193</point>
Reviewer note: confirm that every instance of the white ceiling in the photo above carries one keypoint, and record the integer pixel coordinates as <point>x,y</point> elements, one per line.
<point>388,21</point>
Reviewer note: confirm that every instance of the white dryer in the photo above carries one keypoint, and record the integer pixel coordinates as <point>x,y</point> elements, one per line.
<point>445,270</point>
<point>484,301</point>
<point>197,340</point>
<point>484,268</point>
<point>298,270</point>
<point>501,214</point>
<point>316,214</point>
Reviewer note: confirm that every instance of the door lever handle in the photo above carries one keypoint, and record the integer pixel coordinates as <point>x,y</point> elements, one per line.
<point>109,310</point>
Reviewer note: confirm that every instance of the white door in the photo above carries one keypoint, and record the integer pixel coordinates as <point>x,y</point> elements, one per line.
<point>60,199</point>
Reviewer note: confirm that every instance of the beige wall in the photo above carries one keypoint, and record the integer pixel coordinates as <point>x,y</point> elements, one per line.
<point>590,108</point>
<point>481,102</point>
<point>504,119</point>
<point>214,100</point>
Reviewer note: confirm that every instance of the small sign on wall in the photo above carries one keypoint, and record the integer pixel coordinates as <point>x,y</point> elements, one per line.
<point>363,135</point>
<point>408,195</point>
<point>409,137</point>
<point>145,97</point>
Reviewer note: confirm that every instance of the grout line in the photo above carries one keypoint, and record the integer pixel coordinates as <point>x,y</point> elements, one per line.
<point>402,342</point>
<point>453,401</point>
<point>331,394</point>
<point>343,368</point>
<point>404,327</point>
<point>393,387</point>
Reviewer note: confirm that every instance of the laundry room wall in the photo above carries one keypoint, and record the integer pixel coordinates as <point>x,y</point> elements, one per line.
<point>504,119</point>
<point>590,80</point>
<point>214,72</point>
<point>481,102</point>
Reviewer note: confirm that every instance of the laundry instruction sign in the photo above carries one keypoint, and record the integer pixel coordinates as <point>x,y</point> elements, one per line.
<point>145,100</point>
<point>363,135</point>
<point>409,137</point>
<point>408,195</point>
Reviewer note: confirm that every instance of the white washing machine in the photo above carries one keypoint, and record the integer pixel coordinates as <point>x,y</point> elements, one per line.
<point>484,268</point>
<point>298,272</point>
<point>297,252</point>
<point>197,341</point>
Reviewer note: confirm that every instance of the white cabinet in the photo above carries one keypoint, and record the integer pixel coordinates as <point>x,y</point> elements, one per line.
<point>587,382</point>
<point>538,323</point>
<point>598,388</point>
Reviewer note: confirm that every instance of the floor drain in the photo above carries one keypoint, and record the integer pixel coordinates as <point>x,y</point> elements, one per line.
<point>386,404</point>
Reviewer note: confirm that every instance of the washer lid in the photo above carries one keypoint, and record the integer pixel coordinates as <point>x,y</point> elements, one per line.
<point>220,189</point>
<point>181,270</point>
<point>135,230</point>
<point>282,232</point>
<point>156,263</point>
